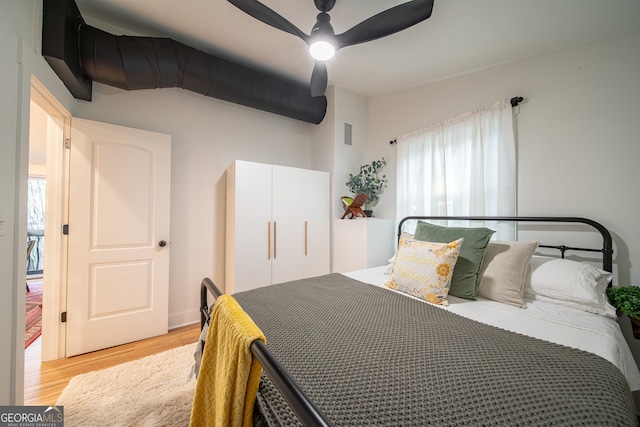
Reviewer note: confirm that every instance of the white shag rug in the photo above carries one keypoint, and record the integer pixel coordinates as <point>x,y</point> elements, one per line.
<point>153,391</point>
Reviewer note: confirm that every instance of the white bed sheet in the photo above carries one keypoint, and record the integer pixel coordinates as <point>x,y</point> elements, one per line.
<point>561,325</point>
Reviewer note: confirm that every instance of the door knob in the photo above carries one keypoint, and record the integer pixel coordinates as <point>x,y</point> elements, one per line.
<point>162,243</point>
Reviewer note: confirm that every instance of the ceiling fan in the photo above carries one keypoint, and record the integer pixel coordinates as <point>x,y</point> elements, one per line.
<point>322,40</point>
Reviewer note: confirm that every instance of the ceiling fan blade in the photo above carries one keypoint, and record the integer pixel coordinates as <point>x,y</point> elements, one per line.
<point>319,79</point>
<point>268,16</point>
<point>386,23</point>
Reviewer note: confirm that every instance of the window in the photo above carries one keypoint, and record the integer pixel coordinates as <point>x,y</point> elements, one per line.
<point>35,224</point>
<point>462,166</point>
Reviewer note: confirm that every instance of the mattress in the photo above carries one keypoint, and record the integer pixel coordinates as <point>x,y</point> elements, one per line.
<point>574,328</point>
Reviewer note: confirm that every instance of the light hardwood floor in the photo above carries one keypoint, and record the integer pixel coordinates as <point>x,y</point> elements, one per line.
<point>44,382</point>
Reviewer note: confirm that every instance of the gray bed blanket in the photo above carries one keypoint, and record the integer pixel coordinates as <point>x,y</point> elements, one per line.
<point>370,357</point>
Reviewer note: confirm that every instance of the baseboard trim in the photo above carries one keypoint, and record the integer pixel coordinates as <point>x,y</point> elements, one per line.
<point>183,319</point>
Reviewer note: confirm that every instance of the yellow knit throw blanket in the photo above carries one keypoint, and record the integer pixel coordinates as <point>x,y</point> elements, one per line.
<point>229,376</point>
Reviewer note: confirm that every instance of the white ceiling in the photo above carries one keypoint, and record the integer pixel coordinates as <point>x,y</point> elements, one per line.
<point>460,36</point>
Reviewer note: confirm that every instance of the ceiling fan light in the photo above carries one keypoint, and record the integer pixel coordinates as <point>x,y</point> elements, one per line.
<point>322,50</point>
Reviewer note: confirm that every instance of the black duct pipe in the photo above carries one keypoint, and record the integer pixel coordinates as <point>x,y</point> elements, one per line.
<point>80,54</point>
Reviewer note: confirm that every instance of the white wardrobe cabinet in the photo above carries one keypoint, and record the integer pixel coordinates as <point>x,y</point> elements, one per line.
<point>277,225</point>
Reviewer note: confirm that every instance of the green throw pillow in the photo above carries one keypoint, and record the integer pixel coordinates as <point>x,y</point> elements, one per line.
<point>464,283</point>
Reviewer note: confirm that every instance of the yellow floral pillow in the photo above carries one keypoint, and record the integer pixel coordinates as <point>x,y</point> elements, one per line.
<point>424,269</point>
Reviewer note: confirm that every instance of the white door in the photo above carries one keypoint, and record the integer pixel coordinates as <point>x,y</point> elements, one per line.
<point>250,227</point>
<point>317,259</point>
<point>118,265</point>
<point>301,211</point>
<point>288,210</point>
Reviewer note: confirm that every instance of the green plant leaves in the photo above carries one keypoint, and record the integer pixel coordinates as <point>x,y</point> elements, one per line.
<point>626,299</point>
<point>368,181</point>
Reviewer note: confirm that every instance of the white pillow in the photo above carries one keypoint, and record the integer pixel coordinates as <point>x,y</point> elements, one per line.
<point>563,281</point>
<point>605,309</point>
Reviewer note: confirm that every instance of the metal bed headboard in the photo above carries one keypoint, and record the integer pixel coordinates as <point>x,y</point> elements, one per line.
<point>607,244</point>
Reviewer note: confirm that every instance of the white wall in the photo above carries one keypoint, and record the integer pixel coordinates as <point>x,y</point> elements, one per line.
<point>19,61</point>
<point>349,108</point>
<point>9,156</point>
<point>578,133</point>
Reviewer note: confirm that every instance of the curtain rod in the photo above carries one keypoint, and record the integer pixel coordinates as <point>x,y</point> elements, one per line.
<point>514,103</point>
<point>516,100</point>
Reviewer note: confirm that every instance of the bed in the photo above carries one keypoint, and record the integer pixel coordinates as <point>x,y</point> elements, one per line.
<point>349,349</point>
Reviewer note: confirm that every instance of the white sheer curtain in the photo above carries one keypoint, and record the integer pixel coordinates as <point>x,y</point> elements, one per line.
<point>462,166</point>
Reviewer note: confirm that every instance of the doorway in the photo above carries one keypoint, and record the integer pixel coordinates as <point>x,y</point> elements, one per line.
<point>36,191</point>
<point>49,126</point>
<point>130,288</point>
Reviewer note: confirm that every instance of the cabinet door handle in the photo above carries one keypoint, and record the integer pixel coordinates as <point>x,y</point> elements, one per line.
<point>305,238</point>
<point>269,240</point>
<point>275,245</point>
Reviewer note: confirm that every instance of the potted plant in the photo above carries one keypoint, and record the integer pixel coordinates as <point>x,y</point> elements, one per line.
<point>626,299</point>
<point>369,181</point>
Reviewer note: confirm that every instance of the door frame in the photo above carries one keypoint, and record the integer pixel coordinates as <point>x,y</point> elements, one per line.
<point>56,215</point>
